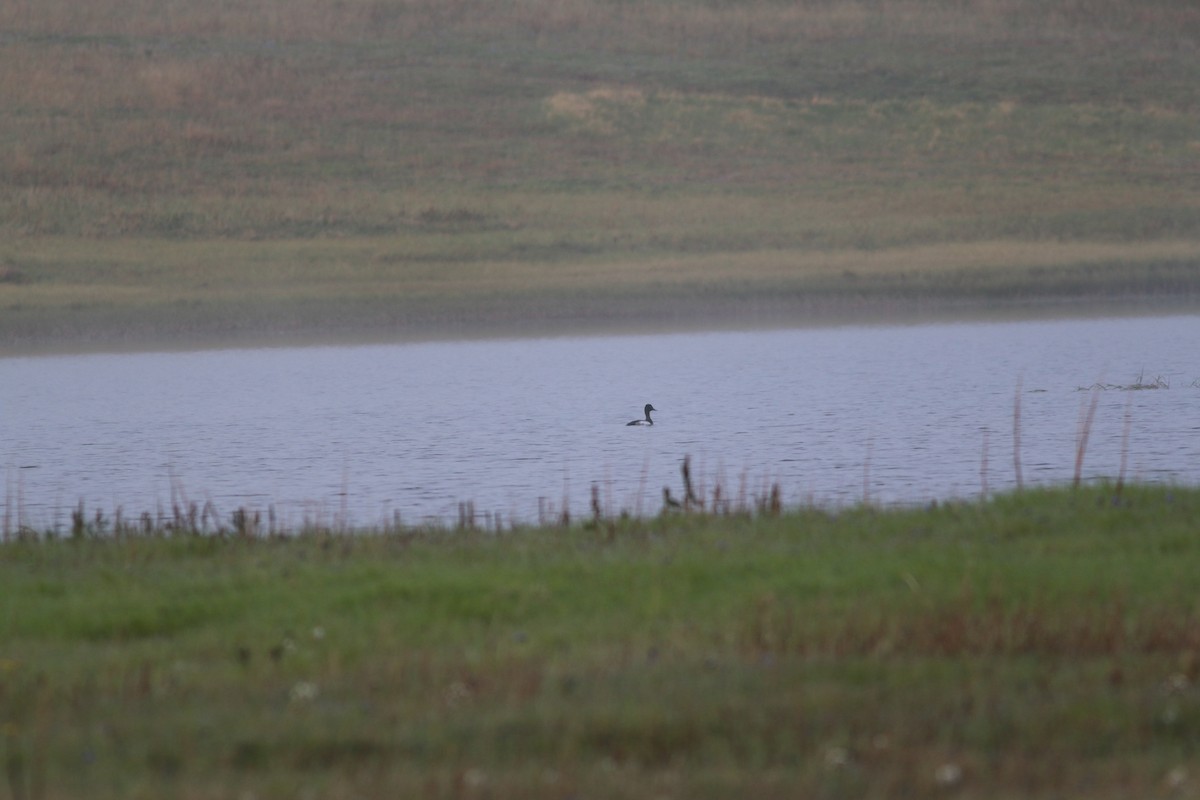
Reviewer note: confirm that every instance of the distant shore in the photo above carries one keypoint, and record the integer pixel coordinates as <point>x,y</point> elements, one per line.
<point>153,296</point>
<point>234,175</point>
<point>494,323</point>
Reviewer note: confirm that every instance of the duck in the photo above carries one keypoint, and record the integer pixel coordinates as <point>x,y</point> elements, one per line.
<point>647,420</point>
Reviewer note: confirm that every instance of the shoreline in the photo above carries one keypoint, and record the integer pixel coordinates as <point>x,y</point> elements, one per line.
<point>665,318</point>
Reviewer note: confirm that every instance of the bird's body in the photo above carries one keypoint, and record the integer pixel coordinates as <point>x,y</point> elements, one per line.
<point>647,420</point>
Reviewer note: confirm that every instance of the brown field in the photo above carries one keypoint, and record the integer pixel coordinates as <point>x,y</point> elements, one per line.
<point>179,173</point>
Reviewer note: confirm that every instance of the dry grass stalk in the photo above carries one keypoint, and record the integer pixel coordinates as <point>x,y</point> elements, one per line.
<point>983,467</point>
<point>1128,423</point>
<point>1085,431</point>
<point>1017,433</point>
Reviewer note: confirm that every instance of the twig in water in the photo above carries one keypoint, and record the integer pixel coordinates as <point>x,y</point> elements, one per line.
<point>983,467</point>
<point>1085,430</point>
<point>1158,382</point>
<point>245,525</point>
<point>1125,444</point>
<point>1017,431</point>
<point>565,518</point>
<point>8,504</point>
<point>689,496</point>
<point>466,516</point>
<point>608,494</point>
<point>867,472</point>
<point>720,503</point>
<point>637,506</point>
<point>343,521</point>
<point>78,522</point>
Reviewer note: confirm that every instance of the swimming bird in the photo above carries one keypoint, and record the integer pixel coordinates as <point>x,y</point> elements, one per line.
<point>647,420</point>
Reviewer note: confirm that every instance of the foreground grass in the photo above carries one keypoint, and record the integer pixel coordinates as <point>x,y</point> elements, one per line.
<point>1042,644</point>
<point>280,167</point>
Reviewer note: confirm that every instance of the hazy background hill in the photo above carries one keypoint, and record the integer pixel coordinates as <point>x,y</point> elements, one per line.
<point>233,171</point>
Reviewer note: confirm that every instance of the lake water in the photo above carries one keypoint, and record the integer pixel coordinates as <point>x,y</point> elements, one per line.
<point>356,435</point>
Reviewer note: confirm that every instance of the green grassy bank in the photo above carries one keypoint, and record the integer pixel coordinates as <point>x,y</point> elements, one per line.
<point>1041,644</point>
<point>176,172</point>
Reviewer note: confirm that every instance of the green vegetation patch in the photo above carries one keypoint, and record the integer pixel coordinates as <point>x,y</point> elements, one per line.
<point>1044,642</point>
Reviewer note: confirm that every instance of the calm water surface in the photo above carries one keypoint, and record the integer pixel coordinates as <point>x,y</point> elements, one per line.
<point>356,435</point>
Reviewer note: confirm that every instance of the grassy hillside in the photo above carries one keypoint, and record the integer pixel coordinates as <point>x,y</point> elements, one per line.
<point>1043,644</point>
<point>376,167</point>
